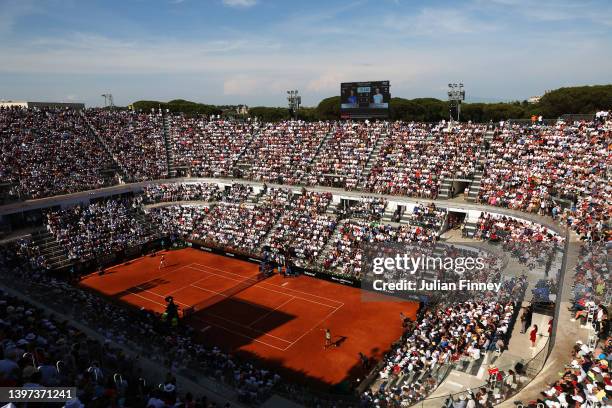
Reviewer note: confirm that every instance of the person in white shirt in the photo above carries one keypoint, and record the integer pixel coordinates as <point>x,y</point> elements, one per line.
<point>378,97</point>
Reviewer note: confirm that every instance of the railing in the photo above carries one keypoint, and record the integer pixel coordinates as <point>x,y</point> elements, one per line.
<point>495,391</point>
<point>547,122</point>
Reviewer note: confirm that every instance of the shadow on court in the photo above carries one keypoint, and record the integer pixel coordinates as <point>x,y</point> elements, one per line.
<point>143,287</point>
<point>236,323</point>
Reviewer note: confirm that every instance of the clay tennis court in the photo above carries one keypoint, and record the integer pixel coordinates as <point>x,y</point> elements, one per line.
<point>277,320</point>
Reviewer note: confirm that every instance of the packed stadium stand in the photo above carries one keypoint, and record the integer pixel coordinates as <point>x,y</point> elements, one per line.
<point>315,193</point>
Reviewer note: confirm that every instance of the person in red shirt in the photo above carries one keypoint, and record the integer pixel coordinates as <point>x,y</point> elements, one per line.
<point>533,335</point>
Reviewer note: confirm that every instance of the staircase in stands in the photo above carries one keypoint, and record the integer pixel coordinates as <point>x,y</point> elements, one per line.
<point>168,146</point>
<point>445,189</point>
<point>118,168</point>
<point>237,163</point>
<point>53,252</point>
<point>372,159</point>
<point>146,222</point>
<point>475,186</point>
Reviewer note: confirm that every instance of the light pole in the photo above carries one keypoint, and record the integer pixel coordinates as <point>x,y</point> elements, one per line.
<point>108,100</point>
<point>456,95</point>
<point>294,101</point>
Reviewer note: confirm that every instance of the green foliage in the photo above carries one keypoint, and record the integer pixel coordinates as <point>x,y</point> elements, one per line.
<point>580,99</point>
<point>268,114</point>
<point>583,99</point>
<point>328,109</point>
<point>178,106</point>
<point>421,109</point>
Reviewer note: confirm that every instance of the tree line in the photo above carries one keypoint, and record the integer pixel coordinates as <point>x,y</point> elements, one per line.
<point>553,104</point>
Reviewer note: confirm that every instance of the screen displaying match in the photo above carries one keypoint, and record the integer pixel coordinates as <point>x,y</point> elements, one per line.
<point>363,100</point>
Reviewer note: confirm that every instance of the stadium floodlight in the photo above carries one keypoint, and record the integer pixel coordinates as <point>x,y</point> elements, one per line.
<point>456,95</point>
<point>108,100</point>
<point>294,101</point>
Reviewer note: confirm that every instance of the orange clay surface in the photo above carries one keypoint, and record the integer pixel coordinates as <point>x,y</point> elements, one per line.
<point>278,321</point>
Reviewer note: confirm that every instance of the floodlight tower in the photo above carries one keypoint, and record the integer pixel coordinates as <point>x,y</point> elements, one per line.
<point>294,102</point>
<point>456,95</point>
<point>108,100</point>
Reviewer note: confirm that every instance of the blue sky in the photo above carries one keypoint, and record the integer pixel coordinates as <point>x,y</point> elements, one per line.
<point>252,51</point>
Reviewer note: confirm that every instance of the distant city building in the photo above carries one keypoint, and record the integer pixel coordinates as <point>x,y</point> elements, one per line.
<point>13,104</point>
<point>232,110</point>
<point>534,99</point>
<point>23,104</point>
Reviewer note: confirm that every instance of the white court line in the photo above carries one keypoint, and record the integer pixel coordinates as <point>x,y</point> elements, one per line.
<point>173,291</point>
<point>314,327</point>
<point>234,322</point>
<point>264,333</point>
<point>247,327</point>
<point>259,285</point>
<point>240,334</point>
<point>188,285</point>
<point>153,293</point>
<point>286,283</point>
<point>305,293</point>
<point>167,273</point>
<point>265,283</point>
<point>271,311</point>
<point>211,291</point>
<point>235,299</point>
<point>145,298</point>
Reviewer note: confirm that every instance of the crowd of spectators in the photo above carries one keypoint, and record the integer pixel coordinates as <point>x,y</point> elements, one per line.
<point>346,251</point>
<point>366,208</point>
<point>342,159</point>
<point>209,148</point>
<point>50,152</point>
<point>178,220</point>
<point>238,226</point>
<point>237,193</point>
<point>587,379</point>
<point>169,192</point>
<point>47,152</point>
<point>100,228</point>
<point>440,336</point>
<point>531,244</point>
<point>283,152</point>
<point>592,290</point>
<point>528,168</point>
<point>426,216</point>
<point>532,168</point>
<point>494,227</point>
<point>91,364</point>
<point>135,140</point>
<point>304,230</point>
<point>416,157</point>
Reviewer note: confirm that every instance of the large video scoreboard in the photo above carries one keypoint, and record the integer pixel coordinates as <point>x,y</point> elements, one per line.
<point>363,100</point>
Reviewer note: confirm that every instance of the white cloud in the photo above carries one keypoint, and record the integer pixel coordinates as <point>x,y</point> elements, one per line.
<point>438,22</point>
<point>555,10</point>
<point>240,85</point>
<point>12,10</point>
<point>493,52</point>
<point>326,82</point>
<point>240,3</point>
